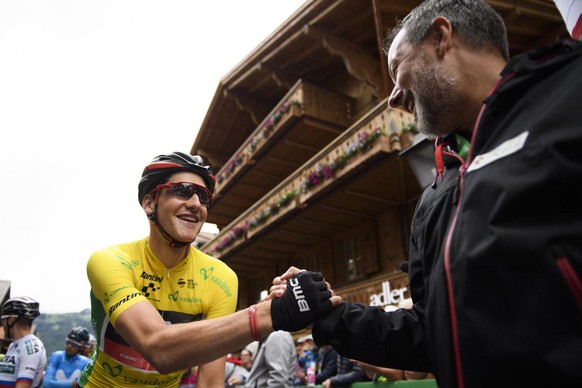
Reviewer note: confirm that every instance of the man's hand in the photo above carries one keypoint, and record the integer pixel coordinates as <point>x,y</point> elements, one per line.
<point>306,298</point>
<point>234,380</point>
<point>280,283</point>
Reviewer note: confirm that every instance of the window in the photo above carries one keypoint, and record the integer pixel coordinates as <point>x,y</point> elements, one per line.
<point>352,258</point>
<point>356,254</point>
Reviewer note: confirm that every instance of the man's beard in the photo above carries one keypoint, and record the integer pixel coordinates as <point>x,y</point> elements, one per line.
<point>434,100</point>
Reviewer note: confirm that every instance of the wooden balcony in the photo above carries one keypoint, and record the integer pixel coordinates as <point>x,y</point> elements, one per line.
<point>379,132</point>
<point>301,124</point>
<point>376,135</point>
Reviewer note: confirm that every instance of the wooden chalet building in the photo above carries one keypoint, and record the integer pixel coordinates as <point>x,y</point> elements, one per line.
<point>307,152</point>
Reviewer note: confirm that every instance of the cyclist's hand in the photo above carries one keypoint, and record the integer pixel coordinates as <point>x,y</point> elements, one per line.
<point>306,298</point>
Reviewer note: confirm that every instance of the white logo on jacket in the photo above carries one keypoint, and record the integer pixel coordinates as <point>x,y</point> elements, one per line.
<point>506,148</point>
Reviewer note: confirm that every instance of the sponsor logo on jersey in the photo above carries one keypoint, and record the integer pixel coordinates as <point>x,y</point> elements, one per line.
<point>222,284</point>
<point>190,283</point>
<point>149,289</point>
<point>31,347</point>
<point>113,371</point>
<point>206,272</point>
<point>127,264</point>
<point>153,278</point>
<point>112,293</point>
<point>7,366</point>
<point>122,301</point>
<point>175,297</point>
<point>152,382</point>
<point>8,359</point>
<point>130,376</point>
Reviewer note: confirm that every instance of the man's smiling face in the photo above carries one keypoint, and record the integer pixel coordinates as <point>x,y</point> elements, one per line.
<point>423,86</point>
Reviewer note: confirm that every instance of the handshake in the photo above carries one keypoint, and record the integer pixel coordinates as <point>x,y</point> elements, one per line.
<point>300,298</point>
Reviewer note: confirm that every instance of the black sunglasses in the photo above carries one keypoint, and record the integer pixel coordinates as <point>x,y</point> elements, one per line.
<point>185,191</point>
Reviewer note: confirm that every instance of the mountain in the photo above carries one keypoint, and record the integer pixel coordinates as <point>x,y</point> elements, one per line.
<point>52,329</point>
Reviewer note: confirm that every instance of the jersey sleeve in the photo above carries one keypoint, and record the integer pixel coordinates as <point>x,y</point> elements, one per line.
<point>31,361</point>
<point>112,282</point>
<point>51,369</point>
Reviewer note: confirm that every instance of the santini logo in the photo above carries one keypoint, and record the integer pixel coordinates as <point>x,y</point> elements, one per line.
<point>298,293</point>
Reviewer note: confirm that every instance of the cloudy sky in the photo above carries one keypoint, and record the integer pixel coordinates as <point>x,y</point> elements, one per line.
<point>90,92</point>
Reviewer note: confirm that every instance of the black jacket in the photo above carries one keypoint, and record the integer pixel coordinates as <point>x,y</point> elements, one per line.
<point>326,364</point>
<point>348,372</point>
<point>499,241</point>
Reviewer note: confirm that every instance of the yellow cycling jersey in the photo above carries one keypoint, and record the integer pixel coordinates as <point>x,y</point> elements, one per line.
<point>199,287</point>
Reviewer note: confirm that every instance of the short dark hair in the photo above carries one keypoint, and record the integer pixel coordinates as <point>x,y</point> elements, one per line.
<point>474,20</point>
<point>24,322</point>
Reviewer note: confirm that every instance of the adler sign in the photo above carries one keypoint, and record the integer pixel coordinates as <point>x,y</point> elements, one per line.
<point>387,296</point>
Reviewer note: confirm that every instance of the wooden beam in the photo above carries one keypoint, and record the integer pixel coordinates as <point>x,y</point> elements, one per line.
<point>372,197</point>
<point>542,11</point>
<point>344,211</point>
<point>323,224</point>
<point>357,61</point>
<point>245,104</point>
<point>282,78</point>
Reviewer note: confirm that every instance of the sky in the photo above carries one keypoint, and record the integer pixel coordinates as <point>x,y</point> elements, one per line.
<point>90,92</point>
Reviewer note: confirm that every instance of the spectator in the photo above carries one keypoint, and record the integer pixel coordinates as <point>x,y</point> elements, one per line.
<point>240,377</point>
<point>348,372</point>
<point>304,359</point>
<point>247,358</point>
<point>235,354</point>
<point>253,347</point>
<point>235,373</point>
<point>311,346</point>
<point>326,363</point>
<point>274,364</point>
<point>65,366</point>
<point>25,360</point>
<point>89,347</point>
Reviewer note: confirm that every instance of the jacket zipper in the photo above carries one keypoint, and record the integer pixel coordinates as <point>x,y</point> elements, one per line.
<point>447,252</point>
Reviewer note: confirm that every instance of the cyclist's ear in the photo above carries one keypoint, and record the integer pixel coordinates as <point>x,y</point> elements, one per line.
<point>148,204</point>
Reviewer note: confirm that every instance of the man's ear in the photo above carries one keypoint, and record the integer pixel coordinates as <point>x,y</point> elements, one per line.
<point>148,204</point>
<point>440,35</point>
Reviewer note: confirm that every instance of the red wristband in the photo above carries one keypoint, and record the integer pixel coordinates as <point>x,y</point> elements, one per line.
<point>253,322</point>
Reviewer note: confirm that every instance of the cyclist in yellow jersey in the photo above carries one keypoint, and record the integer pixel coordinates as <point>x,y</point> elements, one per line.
<point>159,305</point>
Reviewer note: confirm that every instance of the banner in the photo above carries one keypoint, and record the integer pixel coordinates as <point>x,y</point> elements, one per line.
<point>571,11</point>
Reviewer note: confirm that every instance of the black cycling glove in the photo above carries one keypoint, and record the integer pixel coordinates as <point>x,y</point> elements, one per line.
<point>305,299</point>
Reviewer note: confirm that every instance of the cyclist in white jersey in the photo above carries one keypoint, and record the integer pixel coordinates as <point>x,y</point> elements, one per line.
<point>25,360</point>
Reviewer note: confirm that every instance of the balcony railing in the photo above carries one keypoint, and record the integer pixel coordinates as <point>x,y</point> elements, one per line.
<point>302,99</point>
<point>382,130</point>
